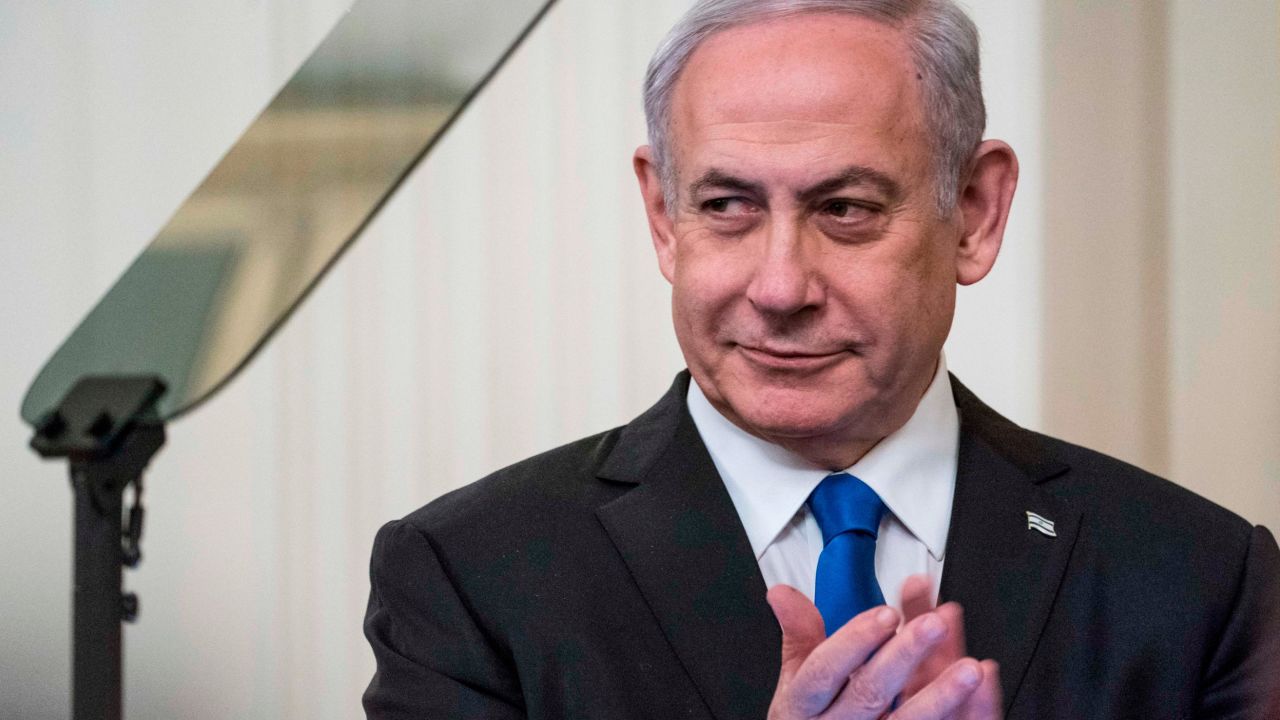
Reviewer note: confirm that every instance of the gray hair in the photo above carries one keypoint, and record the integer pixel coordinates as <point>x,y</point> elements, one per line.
<point>943,41</point>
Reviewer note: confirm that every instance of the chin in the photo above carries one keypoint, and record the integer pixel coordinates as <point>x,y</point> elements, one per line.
<point>794,415</point>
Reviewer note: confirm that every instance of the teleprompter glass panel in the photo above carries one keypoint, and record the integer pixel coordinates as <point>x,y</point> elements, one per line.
<point>291,194</point>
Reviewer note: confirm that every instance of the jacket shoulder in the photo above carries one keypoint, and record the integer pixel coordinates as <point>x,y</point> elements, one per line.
<point>1126,496</point>
<point>1101,485</point>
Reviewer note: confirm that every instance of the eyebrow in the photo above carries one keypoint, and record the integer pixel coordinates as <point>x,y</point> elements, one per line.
<point>720,180</point>
<point>851,176</point>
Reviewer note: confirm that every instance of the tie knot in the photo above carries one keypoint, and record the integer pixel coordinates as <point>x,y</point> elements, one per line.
<point>843,503</point>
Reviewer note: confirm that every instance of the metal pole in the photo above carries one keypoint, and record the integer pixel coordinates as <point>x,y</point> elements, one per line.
<point>96,669</point>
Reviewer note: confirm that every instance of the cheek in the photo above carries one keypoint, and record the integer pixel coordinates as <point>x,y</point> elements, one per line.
<point>708,280</point>
<point>930,300</point>
<point>938,277</point>
<point>904,296</point>
<point>700,302</point>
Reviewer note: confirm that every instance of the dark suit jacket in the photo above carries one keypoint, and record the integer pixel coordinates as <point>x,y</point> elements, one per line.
<point>611,578</point>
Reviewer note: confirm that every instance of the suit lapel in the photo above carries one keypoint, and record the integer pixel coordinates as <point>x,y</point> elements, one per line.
<point>1004,573</point>
<point>682,540</point>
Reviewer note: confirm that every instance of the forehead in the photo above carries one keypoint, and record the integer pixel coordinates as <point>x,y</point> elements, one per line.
<point>802,85</point>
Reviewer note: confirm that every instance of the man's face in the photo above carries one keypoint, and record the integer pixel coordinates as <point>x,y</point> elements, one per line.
<point>813,280</point>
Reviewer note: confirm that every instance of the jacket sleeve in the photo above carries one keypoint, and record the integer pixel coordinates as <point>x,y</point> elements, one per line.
<point>433,660</point>
<point>1243,678</point>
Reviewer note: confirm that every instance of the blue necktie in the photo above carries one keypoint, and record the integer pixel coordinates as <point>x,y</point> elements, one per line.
<point>848,512</point>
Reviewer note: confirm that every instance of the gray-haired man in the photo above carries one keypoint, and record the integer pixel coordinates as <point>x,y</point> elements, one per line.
<point>816,186</point>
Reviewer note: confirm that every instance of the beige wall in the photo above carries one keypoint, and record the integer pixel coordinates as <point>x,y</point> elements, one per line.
<point>1105,347</point>
<point>1134,307</point>
<point>1224,271</point>
<point>1162,240</point>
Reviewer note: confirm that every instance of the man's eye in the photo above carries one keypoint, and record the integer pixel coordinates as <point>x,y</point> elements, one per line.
<point>847,210</point>
<point>723,205</point>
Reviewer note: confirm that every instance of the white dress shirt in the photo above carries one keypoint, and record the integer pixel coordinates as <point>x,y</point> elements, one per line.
<point>913,471</point>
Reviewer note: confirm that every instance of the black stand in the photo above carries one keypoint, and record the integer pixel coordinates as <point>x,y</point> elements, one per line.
<point>108,429</point>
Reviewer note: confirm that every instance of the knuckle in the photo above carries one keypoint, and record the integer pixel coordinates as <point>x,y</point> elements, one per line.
<point>818,671</point>
<point>865,694</point>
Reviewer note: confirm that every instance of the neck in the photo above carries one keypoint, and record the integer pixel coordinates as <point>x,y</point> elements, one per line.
<point>829,455</point>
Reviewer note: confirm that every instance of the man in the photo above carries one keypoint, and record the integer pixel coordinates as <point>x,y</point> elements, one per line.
<point>816,185</point>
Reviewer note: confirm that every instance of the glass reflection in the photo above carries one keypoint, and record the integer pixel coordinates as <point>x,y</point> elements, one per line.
<point>288,197</point>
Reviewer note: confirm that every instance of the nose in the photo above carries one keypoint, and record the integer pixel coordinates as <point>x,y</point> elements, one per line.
<point>785,280</point>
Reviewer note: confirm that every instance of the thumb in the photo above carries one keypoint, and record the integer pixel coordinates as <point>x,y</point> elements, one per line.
<point>802,627</point>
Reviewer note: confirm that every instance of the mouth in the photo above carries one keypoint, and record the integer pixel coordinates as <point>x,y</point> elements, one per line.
<point>792,359</point>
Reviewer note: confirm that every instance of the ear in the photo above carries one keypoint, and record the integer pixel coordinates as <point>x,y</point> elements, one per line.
<point>655,206</point>
<point>984,208</point>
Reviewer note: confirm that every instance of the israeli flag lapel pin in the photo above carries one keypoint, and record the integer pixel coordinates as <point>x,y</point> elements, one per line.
<point>1041,524</point>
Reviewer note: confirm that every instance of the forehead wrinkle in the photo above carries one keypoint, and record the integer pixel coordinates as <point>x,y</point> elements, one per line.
<point>791,131</point>
<point>883,106</point>
<point>828,139</point>
<point>827,127</point>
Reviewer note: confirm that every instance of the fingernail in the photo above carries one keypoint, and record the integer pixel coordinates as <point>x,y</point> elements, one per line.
<point>969,676</point>
<point>932,627</point>
<point>887,617</point>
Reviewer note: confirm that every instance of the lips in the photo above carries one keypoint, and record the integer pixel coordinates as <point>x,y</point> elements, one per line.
<point>775,358</point>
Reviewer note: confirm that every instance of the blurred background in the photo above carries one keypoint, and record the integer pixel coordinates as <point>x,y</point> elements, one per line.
<point>506,300</point>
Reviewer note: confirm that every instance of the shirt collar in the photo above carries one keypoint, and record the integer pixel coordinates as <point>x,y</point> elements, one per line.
<point>913,470</point>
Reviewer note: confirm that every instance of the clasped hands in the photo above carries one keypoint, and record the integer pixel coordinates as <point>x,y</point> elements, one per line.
<point>864,667</point>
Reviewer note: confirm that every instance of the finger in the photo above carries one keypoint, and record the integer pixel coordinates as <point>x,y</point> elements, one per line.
<point>945,695</point>
<point>986,703</point>
<point>917,597</point>
<point>953,646</point>
<point>951,649</point>
<point>802,628</point>
<point>872,688</point>
<point>827,669</point>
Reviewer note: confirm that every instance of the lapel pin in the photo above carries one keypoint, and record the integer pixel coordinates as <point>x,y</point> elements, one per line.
<point>1040,523</point>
